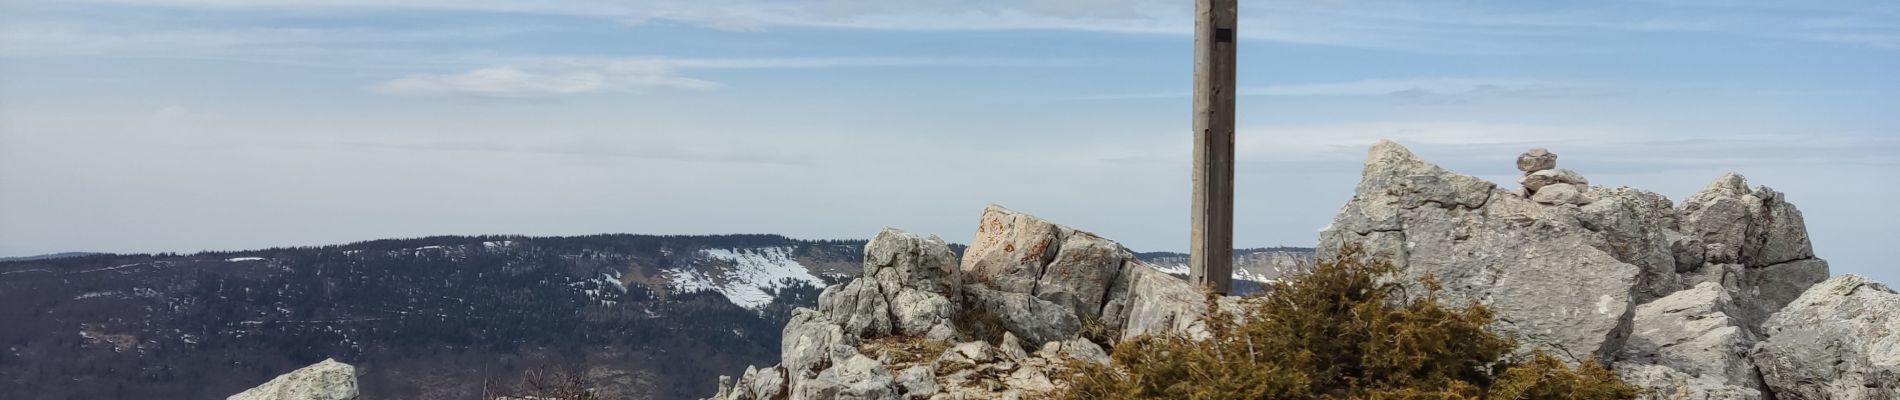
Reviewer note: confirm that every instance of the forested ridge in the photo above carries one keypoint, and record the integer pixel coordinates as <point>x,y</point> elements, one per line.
<point>425,318</point>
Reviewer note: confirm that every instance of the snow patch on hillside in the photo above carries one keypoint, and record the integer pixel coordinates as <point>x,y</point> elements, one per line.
<point>747,277</point>
<point>1239,274</point>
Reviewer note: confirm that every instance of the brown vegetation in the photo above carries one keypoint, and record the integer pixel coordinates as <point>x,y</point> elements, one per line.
<point>1340,331</point>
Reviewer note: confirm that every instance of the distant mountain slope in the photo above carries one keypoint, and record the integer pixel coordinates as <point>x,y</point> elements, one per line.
<point>648,313</point>
<point>433,318</point>
<point>70,254</point>
<point>1252,267</point>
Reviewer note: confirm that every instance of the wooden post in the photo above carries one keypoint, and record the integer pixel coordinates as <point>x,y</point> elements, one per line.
<point>1210,260</point>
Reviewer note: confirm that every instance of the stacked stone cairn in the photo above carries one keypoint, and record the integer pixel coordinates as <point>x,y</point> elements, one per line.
<point>1546,184</point>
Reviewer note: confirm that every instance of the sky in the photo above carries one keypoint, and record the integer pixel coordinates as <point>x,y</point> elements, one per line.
<point>186,125</point>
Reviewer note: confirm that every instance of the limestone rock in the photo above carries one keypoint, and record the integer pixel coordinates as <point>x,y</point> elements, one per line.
<point>899,260</point>
<point>1537,266</point>
<point>1659,382</point>
<point>1691,334</point>
<point>857,377</point>
<point>1638,228</point>
<point>326,380</point>
<point>1028,317</point>
<point>1766,290</point>
<point>1540,179</point>
<point>1148,301</point>
<point>1536,160</point>
<point>1561,194</point>
<point>810,343</point>
<point>1075,349</point>
<point>1012,347</point>
<point>976,352</point>
<point>1010,250</point>
<point>860,307</point>
<point>1752,241</point>
<point>915,382</point>
<point>1754,228</point>
<point>908,288</point>
<point>1779,234</point>
<point>1082,272</point>
<point>1839,340</point>
<point>1037,281</point>
<point>1097,280</point>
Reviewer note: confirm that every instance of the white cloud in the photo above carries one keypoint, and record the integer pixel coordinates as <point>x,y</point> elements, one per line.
<point>511,82</point>
<point>1415,88</point>
<point>542,77</point>
<point>306,46</point>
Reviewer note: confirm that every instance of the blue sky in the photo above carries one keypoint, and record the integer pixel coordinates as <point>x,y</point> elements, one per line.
<point>180,125</point>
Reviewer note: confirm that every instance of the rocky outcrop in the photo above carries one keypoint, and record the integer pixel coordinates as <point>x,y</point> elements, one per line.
<point>1566,264</point>
<point>1096,279</point>
<point>1686,345</point>
<point>916,325</point>
<point>1752,241</point>
<point>326,380</point>
<point>908,288</point>
<point>1675,297</point>
<point>1685,301</point>
<point>1537,265</point>
<point>1840,340</point>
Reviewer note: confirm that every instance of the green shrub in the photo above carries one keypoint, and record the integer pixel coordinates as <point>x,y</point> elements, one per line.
<point>1338,331</point>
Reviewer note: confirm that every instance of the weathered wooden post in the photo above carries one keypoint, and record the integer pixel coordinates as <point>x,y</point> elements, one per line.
<point>1210,259</point>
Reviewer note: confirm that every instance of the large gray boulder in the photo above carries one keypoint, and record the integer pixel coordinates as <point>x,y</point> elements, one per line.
<point>1687,345</point>
<point>1838,341</point>
<point>326,380</point>
<point>1753,242</point>
<point>1010,250</point>
<point>1755,228</point>
<point>909,287</point>
<point>1026,316</point>
<point>1664,383</point>
<point>1637,227</point>
<point>1147,302</point>
<point>1543,272</point>
<point>856,377</point>
<point>1096,279</point>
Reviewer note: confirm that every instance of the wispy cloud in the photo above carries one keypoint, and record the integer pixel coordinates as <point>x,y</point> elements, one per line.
<point>1431,89</point>
<point>704,151</point>
<point>362,47</point>
<point>554,76</point>
<point>511,82</point>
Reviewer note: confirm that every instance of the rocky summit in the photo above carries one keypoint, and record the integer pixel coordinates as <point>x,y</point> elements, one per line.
<point>1027,299</point>
<point>1718,297</point>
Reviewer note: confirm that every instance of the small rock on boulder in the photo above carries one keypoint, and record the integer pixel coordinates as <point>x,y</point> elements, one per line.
<point>1562,194</point>
<point>1538,159</point>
